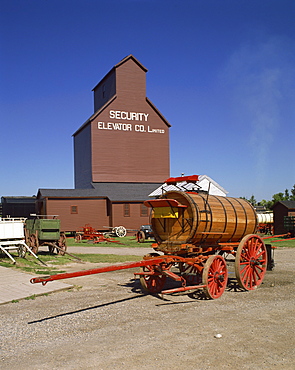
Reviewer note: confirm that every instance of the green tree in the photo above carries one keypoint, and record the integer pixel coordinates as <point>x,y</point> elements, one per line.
<point>253,201</point>
<point>287,195</point>
<point>266,203</point>
<point>279,197</point>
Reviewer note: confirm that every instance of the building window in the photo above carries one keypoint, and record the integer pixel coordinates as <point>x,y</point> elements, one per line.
<point>74,209</point>
<point>126,210</point>
<point>143,210</point>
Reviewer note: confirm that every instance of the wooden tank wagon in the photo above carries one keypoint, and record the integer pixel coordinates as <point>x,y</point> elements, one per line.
<point>194,233</point>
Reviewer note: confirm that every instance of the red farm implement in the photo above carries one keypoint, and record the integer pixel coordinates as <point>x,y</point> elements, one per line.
<point>90,234</point>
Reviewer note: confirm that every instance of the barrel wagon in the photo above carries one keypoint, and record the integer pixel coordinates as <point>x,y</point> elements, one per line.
<point>195,233</point>
<point>45,231</point>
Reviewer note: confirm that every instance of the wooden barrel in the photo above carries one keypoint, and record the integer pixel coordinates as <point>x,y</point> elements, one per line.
<point>202,219</point>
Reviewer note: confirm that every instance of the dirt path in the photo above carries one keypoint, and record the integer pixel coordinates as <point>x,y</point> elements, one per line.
<point>107,323</point>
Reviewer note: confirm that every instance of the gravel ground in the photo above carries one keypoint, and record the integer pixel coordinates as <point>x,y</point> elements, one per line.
<point>106,322</point>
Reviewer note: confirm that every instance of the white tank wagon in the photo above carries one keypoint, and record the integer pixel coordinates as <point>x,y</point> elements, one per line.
<point>265,218</point>
<point>12,237</point>
<point>265,222</point>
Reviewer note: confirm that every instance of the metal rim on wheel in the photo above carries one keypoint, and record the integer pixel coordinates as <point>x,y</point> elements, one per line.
<point>251,262</point>
<point>215,276</point>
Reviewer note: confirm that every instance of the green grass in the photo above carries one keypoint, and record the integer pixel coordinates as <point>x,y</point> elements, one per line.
<point>280,242</point>
<point>126,242</point>
<point>56,263</point>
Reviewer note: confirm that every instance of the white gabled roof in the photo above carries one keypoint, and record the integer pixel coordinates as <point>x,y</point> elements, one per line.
<point>204,183</point>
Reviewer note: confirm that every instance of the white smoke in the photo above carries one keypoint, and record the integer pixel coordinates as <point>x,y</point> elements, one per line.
<point>261,78</point>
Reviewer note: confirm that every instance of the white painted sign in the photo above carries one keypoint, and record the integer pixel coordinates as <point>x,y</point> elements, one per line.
<point>129,116</point>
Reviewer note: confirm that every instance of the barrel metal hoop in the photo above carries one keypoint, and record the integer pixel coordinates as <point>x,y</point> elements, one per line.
<point>246,216</point>
<point>236,223</point>
<point>225,215</point>
<point>209,211</point>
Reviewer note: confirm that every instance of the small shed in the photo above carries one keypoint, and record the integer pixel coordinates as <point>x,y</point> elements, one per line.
<point>18,206</point>
<point>282,209</point>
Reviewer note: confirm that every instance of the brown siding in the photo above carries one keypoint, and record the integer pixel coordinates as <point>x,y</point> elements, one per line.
<point>82,160</point>
<point>90,211</point>
<point>105,90</point>
<point>132,222</point>
<point>131,82</point>
<point>130,156</point>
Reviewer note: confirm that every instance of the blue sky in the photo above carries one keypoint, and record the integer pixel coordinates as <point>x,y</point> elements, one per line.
<point>221,72</point>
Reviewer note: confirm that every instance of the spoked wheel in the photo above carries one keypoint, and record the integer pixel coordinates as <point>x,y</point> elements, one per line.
<point>62,243</point>
<point>140,236</point>
<point>33,243</point>
<point>120,231</point>
<point>190,273</point>
<point>251,262</point>
<point>21,251</point>
<point>153,281</point>
<point>51,248</point>
<point>78,238</point>
<point>215,276</point>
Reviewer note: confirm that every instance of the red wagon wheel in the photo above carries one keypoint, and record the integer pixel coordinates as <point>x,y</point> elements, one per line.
<point>154,281</point>
<point>251,262</point>
<point>190,273</point>
<point>215,276</point>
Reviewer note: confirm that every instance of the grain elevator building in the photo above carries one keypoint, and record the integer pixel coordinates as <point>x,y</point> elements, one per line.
<point>121,154</point>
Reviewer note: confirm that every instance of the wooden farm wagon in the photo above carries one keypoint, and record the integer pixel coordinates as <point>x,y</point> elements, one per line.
<point>45,231</point>
<point>195,233</point>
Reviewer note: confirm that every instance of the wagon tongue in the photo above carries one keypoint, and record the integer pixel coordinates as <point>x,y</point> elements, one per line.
<point>122,266</point>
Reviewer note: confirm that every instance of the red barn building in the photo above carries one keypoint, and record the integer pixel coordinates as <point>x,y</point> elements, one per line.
<point>121,154</point>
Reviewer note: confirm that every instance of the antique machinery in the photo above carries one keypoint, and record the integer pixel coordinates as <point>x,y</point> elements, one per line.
<point>195,232</point>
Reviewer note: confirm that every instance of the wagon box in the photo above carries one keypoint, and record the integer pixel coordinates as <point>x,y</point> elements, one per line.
<point>48,229</point>
<point>12,237</point>
<point>11,229</point>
